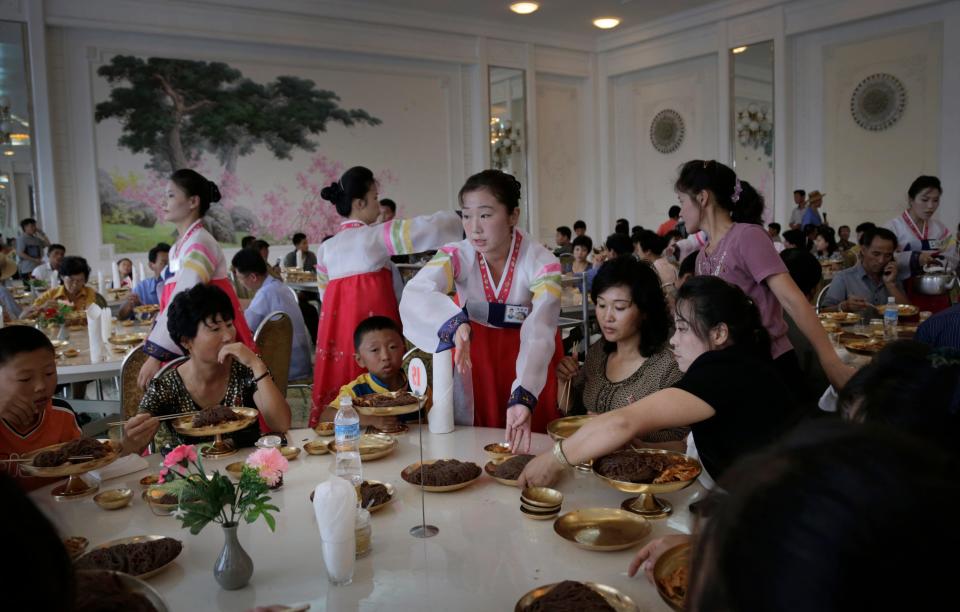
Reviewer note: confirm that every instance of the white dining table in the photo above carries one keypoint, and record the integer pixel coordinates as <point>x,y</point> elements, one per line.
<point>82,368</point>
<point>485,557</point>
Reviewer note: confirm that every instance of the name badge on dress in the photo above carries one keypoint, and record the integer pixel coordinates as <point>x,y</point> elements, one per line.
<point>930,244</point>
<point>515,314</point>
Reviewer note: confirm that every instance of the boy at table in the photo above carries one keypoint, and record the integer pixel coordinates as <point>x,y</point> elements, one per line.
<point>30,417</point>
<point>379,348</point>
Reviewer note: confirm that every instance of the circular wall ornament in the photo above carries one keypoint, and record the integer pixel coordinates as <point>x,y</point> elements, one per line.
<point>666,131</point>
<point>878,102</point>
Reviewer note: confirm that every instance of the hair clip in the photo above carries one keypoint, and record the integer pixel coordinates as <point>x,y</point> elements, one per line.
<point>737,190</point>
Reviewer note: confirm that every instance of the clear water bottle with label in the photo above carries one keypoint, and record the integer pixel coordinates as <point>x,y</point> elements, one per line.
<point>347,429</point>
<point>891,315</point>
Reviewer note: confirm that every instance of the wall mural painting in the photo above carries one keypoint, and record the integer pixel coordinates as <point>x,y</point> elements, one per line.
<point>208,116</point>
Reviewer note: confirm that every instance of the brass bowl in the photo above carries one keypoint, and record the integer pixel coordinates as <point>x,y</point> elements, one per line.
<point>498,450</point>
<point>563,428</point>
<point>647,504</point>
<point>70,353</point>
<point>541,497</point>
<point>862,345</point>
<point>235,469</point>
<point>153,496</point>
<point>134,585</point>
<point>325,428</point>
<point>602,529</point>
<point>372,446</point>
<point>137,540</point>
<point>128,339</point>
<point>616,600</point>
<point>316,447</point>
<point>184,425</point>
<point>113,499</point>
<point>903,310</point>
<point>410,469</point>
<point>668,563</point>
<point>544,515</point>
<point>290,452</point>
<point>489,469</point>
<point>149,480</point>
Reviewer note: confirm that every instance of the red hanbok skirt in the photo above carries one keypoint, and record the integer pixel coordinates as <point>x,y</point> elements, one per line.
<point>494,352</point>
<point>346,303</point>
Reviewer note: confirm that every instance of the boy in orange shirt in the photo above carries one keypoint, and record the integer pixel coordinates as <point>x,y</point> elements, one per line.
<point>28,418</point>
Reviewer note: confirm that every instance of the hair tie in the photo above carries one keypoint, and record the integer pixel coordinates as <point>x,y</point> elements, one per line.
<point>737,190</point>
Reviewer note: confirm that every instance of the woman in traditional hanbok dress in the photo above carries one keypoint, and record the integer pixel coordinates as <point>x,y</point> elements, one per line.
<point>355,276</point>
<point>195,258</point>
<point>920,238</point>
<point>504,326</point>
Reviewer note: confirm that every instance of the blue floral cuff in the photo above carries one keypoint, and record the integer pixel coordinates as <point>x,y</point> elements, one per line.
<point>158,352</point>
<point>522,396</point>
<point>448,329</point>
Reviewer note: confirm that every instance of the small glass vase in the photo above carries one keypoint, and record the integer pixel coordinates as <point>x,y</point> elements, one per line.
<point>234,567</point>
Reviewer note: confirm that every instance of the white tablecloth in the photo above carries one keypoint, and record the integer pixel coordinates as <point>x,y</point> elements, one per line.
<point>486,556</point>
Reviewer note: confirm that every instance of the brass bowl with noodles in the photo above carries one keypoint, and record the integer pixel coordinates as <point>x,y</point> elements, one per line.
<point>137,540</point>
<point>647,504</point>
<point>903,310</point>
<point>671,575</point>
<point>841,318</point>
<point>154,498</point>
<point>316,447</point>
<point>184,425</point>
<point>615,599</point>
<point>602,529</point>
<point>862,345</point>
<point>490,469</point>
<point>132,584</point>
<point>407,473</point>
<point>372,446</point>
<point>113,499</point>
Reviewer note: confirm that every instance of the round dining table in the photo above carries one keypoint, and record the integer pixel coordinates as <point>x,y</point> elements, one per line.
<point>82,368</point>
<point>486,556</point>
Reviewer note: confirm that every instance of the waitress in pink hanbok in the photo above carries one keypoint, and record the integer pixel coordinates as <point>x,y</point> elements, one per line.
<point>195,258</point>
<point>355,275</point>
<point>921,238</point>
<point>504,326</point>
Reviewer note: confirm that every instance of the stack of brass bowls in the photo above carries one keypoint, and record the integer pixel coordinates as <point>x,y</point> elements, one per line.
<point>540,503</point>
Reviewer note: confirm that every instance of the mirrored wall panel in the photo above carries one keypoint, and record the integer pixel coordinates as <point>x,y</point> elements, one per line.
<point>752,106</point>
<point>508,111</point>
<point>16,152</point>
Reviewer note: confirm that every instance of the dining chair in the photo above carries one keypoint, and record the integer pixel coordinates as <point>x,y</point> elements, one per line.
<point>274,339</point>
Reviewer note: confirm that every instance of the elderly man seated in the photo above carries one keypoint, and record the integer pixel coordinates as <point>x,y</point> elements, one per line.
<point>872,280</point>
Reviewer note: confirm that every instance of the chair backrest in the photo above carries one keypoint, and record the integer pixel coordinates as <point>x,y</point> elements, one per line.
<point>169,365</point>
<point>274,338</point>
<point>823,292</point>
<point>130,391</point>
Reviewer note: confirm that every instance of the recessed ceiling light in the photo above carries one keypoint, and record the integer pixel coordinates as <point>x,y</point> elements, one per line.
<point>9,153</point>
<point>738,49</point>
<point>606,23</point>
<point>524,8</point>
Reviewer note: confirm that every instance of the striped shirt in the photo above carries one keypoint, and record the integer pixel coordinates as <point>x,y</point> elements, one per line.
<point>942,329</point>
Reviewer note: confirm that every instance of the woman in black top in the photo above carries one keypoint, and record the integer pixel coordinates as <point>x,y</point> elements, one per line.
<point>730,395</point>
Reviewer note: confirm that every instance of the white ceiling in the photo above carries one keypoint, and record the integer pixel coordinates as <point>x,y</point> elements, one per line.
<point>567,16</point>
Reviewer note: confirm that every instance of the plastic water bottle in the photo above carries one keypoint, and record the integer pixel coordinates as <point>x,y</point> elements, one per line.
<point>891,314</point>
<point>346,427</point>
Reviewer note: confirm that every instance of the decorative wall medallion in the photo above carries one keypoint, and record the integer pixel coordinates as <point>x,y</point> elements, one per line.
<point>878,102</point>
<point>666,131</point>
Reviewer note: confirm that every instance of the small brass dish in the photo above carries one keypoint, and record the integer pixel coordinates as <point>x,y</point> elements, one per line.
<point>541,497</point>
<point>316,447</point>
<point>539,516</point>
<point>324,429</point>
<point>149,480</point>
<point>290,452</point>
<point>235,469</point>
<point>113,499</point>
<point>499,450</point>
<point>669,563</point>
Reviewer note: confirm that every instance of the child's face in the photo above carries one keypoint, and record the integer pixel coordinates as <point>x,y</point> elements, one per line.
<point>31,375</point>
<point>580,253</point>
<point>381,353</point>
<point>126,267</point>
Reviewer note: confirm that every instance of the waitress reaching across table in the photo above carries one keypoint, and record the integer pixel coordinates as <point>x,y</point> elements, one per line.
<point>355,277</point>
<point>505,329</point>
<point>921,239</point>
<point>195,258</point>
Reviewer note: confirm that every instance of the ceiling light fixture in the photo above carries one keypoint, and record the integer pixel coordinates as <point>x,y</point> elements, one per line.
<point>738,49</point>
<point>9,153</point>
<point>524,8</point>
<point>606,23</point>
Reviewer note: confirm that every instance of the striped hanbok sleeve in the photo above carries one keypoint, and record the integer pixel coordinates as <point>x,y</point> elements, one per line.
<point>429,316</point>
<point>419,234</point>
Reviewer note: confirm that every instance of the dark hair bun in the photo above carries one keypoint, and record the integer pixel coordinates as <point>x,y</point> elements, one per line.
<point>215,195</point>
<point>333,193</point>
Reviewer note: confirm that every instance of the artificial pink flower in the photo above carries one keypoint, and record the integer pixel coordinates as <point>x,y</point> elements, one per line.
<point>269,463</point>
<point>180,456</point>
<point>163,475</point>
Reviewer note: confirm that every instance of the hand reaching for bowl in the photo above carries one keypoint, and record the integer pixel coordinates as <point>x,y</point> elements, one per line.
<point>646,557</point>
